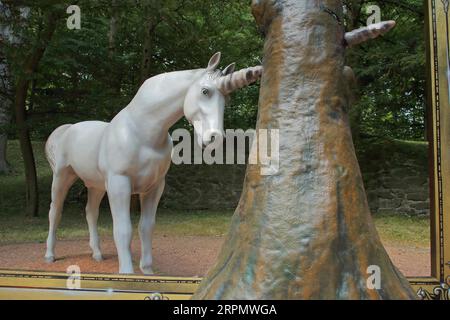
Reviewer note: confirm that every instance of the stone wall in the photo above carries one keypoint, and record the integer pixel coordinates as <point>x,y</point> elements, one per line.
<point>395,177</point>
<point>212,187</point>
<point>403,190</point>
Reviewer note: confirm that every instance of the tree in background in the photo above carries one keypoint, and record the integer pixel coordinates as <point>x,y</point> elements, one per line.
<point>5,106</point>
<point>5,113</point>
<point>6,37</point>
<point>26,56</point>
<point>94,72</point>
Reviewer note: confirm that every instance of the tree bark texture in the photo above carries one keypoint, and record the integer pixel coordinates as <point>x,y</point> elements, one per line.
<point>152,11</point>
<point>305,232</point>
<point>5,112</point>
<point>5,90</point>
<point>147,50</point>
<point>113,28</point>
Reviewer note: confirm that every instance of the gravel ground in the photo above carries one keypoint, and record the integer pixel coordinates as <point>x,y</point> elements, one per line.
<point>173,255</point>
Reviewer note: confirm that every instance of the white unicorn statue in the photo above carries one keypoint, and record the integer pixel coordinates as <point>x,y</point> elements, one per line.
<point>132,153</point>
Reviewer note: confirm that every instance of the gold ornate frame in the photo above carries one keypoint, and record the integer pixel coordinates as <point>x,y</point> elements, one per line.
<point>48,285</point>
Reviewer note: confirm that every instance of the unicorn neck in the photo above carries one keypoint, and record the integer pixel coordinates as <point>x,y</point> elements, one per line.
<point>158,103</point>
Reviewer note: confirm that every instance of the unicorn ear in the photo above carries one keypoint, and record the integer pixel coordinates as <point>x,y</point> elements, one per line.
<point>229,69</point>
<point>214,62</point>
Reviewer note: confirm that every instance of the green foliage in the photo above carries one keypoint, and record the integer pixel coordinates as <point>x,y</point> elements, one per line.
<point>391,73</point>
<point>81,77</point>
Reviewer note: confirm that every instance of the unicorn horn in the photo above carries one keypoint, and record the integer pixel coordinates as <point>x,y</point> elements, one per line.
<point>372,31</point>
<point>239,79</point>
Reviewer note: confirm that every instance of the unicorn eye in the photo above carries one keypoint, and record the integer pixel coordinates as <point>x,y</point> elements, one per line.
<point>205,92</point>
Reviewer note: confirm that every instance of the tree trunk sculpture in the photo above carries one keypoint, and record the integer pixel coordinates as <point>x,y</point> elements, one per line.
<point>305,232</point>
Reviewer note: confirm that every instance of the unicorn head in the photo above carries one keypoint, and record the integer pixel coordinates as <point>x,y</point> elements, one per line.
<point>205,100</point>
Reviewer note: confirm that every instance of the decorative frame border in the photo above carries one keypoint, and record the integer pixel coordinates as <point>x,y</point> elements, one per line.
<point>54,285</point>
<point>47,285</point>
<point>437,286</point>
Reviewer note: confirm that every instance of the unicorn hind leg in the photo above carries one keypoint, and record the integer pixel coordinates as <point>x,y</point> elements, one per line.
<point>62,181</point>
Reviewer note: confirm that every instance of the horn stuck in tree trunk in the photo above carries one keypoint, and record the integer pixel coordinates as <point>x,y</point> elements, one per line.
<point>306,232</point>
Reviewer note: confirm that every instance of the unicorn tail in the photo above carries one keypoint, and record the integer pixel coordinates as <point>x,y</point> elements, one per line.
<point>52,144</point>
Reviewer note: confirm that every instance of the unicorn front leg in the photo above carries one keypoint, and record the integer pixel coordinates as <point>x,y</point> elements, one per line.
<point>119,193</point>
<point>149,204</point>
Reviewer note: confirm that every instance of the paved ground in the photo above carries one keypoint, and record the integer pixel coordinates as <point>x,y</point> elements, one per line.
<point>173,255</point>
<point>412,261</point>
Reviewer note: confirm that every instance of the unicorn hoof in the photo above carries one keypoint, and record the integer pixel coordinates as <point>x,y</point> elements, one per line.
<point>50,259</point>
<point>147,271</point>
<point>97,257</point>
